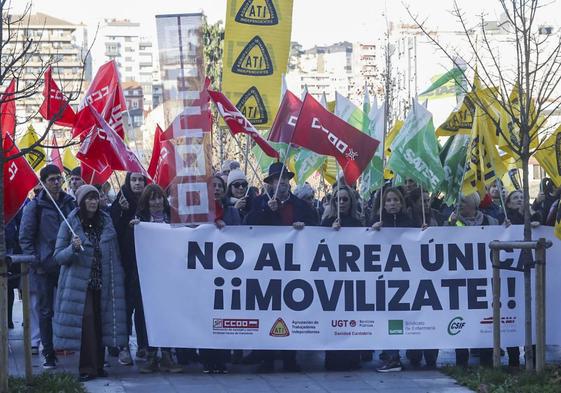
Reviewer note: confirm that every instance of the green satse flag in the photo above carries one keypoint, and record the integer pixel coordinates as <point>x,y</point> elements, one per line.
<point>453,158</point>
<point>415,150</point>
<point>455,74</point>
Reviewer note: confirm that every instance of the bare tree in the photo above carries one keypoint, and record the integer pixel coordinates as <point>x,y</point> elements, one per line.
<point>22,60</point>
<point>533,74</point>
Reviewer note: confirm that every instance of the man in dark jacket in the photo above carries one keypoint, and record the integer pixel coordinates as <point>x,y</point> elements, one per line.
<point>285,209</point>
<point>38,232</point>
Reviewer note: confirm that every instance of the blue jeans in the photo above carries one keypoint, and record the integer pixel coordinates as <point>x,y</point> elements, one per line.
<point>46,290</point>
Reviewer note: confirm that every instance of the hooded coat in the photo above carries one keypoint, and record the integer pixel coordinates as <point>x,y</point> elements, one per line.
<point>73,280</point>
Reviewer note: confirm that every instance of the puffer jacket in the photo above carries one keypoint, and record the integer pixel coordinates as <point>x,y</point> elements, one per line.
<point>73,285</point>
<point>39,227</point>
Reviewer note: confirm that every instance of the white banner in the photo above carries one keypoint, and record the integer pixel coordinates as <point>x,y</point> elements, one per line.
<point>278,288</point>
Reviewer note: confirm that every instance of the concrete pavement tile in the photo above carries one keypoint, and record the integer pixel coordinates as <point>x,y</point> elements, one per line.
<point>104,386</point>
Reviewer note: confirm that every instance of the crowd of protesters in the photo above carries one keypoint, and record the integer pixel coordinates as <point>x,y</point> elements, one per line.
<point>85,289</point>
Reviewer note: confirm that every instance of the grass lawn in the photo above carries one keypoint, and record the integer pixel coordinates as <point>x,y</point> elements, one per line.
<point>485,380</point>
<point>47,383</point>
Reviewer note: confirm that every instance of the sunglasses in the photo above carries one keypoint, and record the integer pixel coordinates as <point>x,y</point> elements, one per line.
<point>238,185</point>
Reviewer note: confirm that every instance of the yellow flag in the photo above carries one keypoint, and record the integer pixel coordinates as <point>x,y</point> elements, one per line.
<point>485,163</point>
<point>36,157</point>
<point>256,49</point>
<point>549,156</point>
<point>391,136</point>
<point>69,161</point>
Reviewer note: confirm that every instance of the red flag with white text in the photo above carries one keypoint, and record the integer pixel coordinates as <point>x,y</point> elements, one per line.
<point>103,146</point>
<point>237,123</point>
<point>105,95</point>
<point>91,176</point>
<point>165,168</point>
<point>285,121</point>
<point>322,132</point>
<point>19,179</point>
<point>55,104</point>
<point>8,110</point>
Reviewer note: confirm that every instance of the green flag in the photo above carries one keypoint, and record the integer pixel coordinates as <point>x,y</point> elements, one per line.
<point>415,150</point>
<point>453,158</point>
<point>455,75</point>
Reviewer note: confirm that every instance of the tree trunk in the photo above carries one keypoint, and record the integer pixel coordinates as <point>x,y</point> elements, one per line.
<point>3,288</point>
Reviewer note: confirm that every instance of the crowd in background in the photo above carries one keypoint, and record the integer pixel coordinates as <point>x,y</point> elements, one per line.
<point>85,289</point>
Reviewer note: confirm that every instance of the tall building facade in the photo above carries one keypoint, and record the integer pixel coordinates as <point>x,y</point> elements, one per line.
<point>122,41</point>
<point>54,40</point>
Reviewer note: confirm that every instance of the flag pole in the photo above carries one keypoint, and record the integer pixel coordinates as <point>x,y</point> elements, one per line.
<point>423,205</point>
<point>498,183</point>
<point>58,209</point>
<point>252,168</point>
<point>338,194</point>
<point>253,177</point>
<point>247,142</point>
<point>282,169</point>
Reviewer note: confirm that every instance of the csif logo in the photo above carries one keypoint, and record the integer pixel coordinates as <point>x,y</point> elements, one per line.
<point>455,326</point>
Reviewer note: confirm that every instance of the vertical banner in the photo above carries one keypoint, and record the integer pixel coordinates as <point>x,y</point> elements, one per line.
<point>256,49</point>
<point>187,117</point>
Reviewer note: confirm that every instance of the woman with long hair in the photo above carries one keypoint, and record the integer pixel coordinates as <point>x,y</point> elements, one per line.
<point>153,206</point>
<point>89,310</point>
<point>393,215</point>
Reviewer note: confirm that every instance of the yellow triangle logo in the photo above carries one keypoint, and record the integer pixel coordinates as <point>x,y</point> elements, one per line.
<point>279,329</point>
<point>257,12</point>
<point>251,105</point>
<point>254,59</point>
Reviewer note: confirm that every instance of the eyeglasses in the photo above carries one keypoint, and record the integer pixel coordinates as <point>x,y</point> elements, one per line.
<point>238,185</point>
<point>55,179</point>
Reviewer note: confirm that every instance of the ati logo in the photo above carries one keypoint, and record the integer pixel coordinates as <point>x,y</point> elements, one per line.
<point>251,105</point>
<point>257,12</point>
<point>279,329</point>
<point>343,323</point>
<point>455,326</point>
<point>35,158</point>
<point>395,327</point>
<point>254,60</point>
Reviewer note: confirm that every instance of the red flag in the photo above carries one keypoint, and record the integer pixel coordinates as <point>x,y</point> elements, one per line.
<point>102,147</point>
<point>55,155</point>
<point>92,177</point>
<point>155,152</point>
<point>19,178</point>
<point>54,103</point>
<point>195,117</point>
<point>286,118</point>
<point>165,169</point>
<point>105,95</point>
<point>8,110</point>
<point>322,132</point>
<point>237,123</point>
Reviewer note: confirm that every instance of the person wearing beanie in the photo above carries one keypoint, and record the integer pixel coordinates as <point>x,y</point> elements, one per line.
<point>90,303</point>
<point>237,194</point>
<point>75,181</point>
<point>40,223</point>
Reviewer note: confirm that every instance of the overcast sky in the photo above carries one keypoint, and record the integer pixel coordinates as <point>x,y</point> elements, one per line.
<point>314,21</point>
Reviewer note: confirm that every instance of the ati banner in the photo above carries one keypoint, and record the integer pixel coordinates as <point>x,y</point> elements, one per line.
<point>256,48</point>
<point>314,289</point>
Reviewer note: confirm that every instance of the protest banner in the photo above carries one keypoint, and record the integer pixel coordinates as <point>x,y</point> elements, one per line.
<point>315,289</point>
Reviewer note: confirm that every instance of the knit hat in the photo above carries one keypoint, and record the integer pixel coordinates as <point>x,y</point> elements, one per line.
<point>84,190</point>
<point>235,175</point>
<point>226,165</point>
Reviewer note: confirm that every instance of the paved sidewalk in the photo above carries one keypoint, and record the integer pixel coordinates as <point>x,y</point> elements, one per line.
<point>242,378</point>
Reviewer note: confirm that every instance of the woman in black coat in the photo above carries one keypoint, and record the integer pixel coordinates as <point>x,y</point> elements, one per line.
<point>393,216</point>
<point>343,212</point>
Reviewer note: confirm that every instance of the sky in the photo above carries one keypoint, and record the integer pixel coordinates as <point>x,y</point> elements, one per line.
<point>315,22</point>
